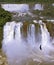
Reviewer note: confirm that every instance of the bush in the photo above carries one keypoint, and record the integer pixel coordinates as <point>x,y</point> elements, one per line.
<point>5,16</point>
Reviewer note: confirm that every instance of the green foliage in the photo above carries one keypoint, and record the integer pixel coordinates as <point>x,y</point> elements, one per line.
<point>27,1</point>
<point>5,16</point>
<point>47,13</point>
<point>48,10</point>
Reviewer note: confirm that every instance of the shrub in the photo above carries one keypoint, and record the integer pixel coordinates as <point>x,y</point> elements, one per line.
<point>5,16</point>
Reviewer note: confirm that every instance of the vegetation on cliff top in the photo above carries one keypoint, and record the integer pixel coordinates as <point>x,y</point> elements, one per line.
<point>5,16</point>
<point>27,1</point>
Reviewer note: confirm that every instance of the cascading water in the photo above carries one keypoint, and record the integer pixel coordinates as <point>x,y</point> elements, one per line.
<point>9,30</point>
<point>31,35</point>
<point>20,43</point>
<point>17,7</point>
<point>45,41</point>
<point>46,44</point>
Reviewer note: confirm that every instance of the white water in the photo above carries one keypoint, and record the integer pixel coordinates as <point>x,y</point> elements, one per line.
<point>52,4</point>
<point>9,30</point>
<point>15,7</point>
<point>38,7</point>
<point>21,7</point>
<point>45,42</point>
<point>19,51</point>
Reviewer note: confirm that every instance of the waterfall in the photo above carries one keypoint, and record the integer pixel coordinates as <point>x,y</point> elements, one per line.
<point>8,33</point>
<point>18,31</point>
<point>45,40</point>
<point>45,35</point>
<point>21,42</point>
<point>17,7</point>
<point>12,31</point>
<point>38,7</point>
<point>31,35</point>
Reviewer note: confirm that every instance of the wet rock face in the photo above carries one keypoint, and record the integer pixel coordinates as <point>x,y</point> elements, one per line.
<point>50,27</point>
<point>27,25</point>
